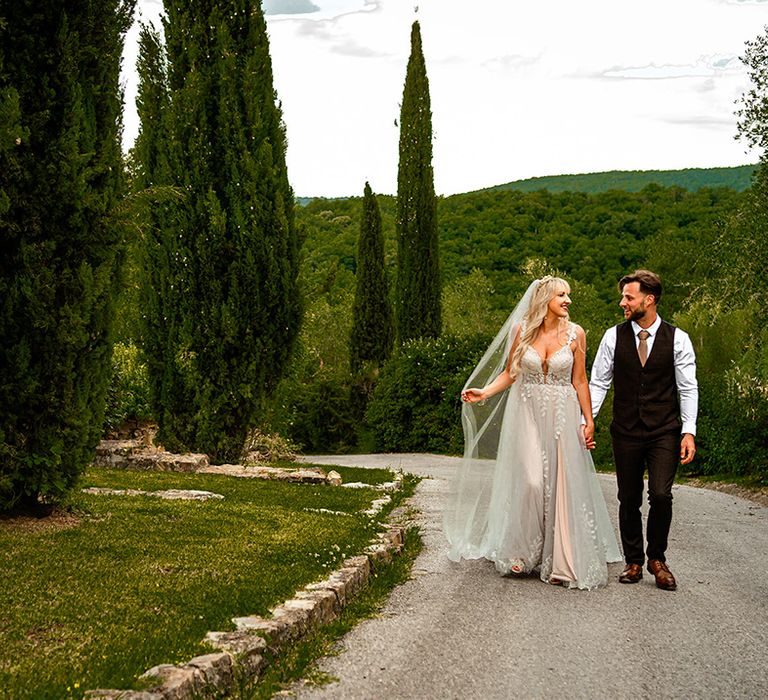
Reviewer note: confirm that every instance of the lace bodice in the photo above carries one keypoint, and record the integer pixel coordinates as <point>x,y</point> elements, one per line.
<point>548,384</point>
<point>556,371</point>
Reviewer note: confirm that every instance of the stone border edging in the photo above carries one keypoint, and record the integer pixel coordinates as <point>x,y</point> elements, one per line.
<point>303,476</point>
<point>137,455</point>
<point>166,494</point>
<point>242,652</point>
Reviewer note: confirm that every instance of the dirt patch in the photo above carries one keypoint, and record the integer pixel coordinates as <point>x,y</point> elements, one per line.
<point>756,494</point>
<point>26,522</point>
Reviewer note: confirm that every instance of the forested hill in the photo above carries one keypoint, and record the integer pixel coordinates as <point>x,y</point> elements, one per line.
<point>737,178</point>
<point>593,238</point>
<point>692,179</point>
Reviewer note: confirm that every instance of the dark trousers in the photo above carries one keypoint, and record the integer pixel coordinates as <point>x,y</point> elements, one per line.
<point>632,455</point>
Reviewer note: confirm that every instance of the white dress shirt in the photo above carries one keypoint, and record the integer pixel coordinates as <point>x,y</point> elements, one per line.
<point>685,371</point>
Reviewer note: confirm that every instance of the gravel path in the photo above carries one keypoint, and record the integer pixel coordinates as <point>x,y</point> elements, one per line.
<point>462,631</point>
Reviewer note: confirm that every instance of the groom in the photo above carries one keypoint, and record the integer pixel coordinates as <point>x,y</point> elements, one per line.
<point>653,369</point>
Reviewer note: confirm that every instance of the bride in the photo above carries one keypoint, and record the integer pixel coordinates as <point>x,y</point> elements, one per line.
<point>526,495</point>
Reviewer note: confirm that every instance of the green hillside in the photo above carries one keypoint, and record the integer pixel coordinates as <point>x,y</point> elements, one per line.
<point>594,238</point>
<point>492,243</point>
<point>692,179</point>
<point>738,178</point>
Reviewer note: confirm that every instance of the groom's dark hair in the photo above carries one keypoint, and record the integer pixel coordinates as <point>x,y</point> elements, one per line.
<point>649,282</point>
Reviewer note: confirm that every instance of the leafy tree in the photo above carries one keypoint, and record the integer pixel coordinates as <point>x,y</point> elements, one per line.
<point>221,325</point>
<point>753,113</point>
<point>418,276</point>
<point>61,180</point>
<point>737,259</point>
<point>730,338</point>
<point>741,252</point>
<point>467,309</point>
<point>372,325</point>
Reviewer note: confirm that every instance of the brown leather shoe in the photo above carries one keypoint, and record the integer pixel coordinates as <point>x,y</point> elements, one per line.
<point>664,577</point>
<point>632,573</point>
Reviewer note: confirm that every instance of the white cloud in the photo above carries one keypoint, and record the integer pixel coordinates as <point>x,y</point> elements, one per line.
<point>508,62</point>
<point>518,89</point>
<point>706,66</point>
<point>288,7</point>
<point>349,47</point>
<point>718,123</point>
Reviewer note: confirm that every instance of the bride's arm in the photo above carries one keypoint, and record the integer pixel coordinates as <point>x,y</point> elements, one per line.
<point>581,384</point>
<point>502,382</point>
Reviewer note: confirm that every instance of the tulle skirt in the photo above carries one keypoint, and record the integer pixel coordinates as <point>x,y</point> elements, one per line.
<point>538,505</point>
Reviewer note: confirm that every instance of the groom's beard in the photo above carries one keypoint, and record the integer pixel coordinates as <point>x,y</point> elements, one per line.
<point>638,314</point>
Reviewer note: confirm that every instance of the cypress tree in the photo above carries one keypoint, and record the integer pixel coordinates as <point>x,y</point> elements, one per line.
<point>161,246</point>
<point>418,278</point>
<point>12,134</point>
<point>224,318</point>
<point>372,333</point>
<point>61,181</point>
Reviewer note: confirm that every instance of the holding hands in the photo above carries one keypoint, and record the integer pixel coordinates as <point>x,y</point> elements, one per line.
<point>473,395</point>
<point>589,435</point>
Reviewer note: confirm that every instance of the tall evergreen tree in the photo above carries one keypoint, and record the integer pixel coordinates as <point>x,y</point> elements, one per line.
<point>61,179</point>
<point>223,313</point>
<point>417,303</point>
<point>373,329</point>
<point>12,134</point>
<point>162,248</point>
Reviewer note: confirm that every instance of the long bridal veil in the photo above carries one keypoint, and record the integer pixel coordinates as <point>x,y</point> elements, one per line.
<point>465,516</point>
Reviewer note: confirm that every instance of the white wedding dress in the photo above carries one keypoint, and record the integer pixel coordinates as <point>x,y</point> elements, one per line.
<point>538,505</point>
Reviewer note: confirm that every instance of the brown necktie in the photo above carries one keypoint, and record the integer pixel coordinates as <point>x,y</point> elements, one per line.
<point>642,348</point>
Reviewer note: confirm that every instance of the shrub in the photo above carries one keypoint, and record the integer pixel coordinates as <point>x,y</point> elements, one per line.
<point>416,406</point>
<point>128,392</point>
<point>733,425</point>
<point>732,369</point>
<point>268,447</point>
<point>321,417</point>
<point>312,406</point>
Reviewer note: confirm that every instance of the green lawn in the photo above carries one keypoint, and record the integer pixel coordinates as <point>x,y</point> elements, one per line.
<point>137,581</point>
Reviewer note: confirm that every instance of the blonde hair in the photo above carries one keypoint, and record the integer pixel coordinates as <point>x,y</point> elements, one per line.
<point>547,288</point>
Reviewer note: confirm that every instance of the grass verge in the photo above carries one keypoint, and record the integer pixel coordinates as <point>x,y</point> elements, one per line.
<point>117,584</point>
<point>298,660</point>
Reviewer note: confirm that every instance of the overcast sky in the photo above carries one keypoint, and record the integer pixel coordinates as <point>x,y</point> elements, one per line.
<point>519,89</point>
